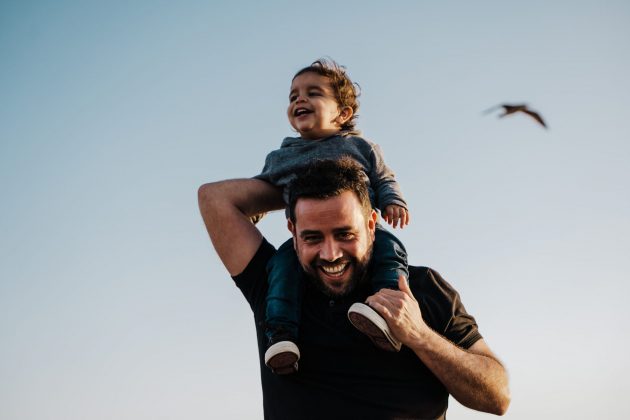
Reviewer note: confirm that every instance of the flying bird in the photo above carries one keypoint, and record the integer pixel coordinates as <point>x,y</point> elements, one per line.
<point>512,109</point>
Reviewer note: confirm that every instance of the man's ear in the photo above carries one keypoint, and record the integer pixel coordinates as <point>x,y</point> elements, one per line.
<point>291,228</point>
<point>372,223</point>
<point>345,114</point>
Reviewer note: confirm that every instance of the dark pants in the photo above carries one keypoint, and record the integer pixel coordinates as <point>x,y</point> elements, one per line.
<point>285,276</point>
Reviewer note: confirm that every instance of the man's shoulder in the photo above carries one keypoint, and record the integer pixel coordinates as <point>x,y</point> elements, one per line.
<point>420,274</point>
<point>430,287</point>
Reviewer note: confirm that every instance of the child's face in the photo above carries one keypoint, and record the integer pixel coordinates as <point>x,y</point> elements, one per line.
<point>313,110</point>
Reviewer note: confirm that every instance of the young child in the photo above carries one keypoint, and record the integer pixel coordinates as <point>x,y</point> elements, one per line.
<point>322,109</point>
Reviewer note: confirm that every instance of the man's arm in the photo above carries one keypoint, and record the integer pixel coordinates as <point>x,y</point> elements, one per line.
<point>474,377</point>
<point>226,207</point>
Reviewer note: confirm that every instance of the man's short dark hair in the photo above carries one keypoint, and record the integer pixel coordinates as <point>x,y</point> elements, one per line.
<point>324,179</point>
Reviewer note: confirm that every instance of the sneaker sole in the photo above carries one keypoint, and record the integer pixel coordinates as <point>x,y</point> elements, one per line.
<point>370,323</point>
<point>282,358</point>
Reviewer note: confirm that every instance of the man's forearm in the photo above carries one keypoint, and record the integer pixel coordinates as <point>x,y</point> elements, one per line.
<point>226,207</point>
<point>250,196</point>
<point>473,377</point>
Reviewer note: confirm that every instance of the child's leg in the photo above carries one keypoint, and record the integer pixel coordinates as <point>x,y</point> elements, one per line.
<point>389,261</point>
<point>283,309</point>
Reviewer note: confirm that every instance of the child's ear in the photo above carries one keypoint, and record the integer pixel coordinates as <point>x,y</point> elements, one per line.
<point>345,114</point>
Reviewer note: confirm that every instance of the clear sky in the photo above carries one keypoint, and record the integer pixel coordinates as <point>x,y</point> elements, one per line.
<point>113,304</point>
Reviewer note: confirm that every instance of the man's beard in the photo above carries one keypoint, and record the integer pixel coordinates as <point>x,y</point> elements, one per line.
<point>359,275</point>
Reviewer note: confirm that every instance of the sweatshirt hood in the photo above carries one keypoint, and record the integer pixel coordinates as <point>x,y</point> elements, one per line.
<point>296,141</point>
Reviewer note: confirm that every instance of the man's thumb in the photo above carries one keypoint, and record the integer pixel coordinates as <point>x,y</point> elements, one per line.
<point>403,286</point>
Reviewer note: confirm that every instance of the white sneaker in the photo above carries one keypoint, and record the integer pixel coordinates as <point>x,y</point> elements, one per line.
<point>370,323</point>
<point>282,357</point>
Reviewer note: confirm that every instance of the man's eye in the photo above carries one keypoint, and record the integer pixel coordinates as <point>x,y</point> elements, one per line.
<point>311,239</point>
<point>345,236</point>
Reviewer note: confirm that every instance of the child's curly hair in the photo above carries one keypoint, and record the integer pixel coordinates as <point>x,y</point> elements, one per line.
<point>346,91</point>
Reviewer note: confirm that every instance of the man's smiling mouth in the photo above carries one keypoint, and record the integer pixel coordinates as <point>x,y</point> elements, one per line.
<point>335,270</point>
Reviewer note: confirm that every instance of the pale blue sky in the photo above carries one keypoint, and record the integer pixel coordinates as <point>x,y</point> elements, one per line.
<point>113,303</point>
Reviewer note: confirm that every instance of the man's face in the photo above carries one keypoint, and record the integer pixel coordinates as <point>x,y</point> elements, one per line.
<point>333,240</point>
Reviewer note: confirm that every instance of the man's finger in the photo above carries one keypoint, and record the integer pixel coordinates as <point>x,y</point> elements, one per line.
<point>404,286</point>
<point>381,309</point>
<point>388,292</point>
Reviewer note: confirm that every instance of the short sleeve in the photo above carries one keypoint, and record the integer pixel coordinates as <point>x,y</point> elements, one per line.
<point>252,282</point>
<point>442,308</point>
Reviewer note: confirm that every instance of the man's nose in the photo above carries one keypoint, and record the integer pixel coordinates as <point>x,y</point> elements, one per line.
<point>330,251</point>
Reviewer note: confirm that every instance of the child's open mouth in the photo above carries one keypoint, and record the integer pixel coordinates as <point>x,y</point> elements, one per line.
<point>301,111</point>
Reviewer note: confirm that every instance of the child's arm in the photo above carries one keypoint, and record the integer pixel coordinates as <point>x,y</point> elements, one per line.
<point>388,196</point>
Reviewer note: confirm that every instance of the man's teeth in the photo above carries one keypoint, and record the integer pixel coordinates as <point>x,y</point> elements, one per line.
<point>334,269</point>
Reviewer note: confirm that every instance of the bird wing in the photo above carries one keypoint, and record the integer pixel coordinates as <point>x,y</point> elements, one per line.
<point>535,116</point>
<point>511,109</point>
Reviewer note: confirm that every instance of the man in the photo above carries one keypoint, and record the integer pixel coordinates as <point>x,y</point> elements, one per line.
<point>340,376</point>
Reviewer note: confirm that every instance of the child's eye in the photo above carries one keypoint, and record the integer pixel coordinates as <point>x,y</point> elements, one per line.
<point>292,98</point>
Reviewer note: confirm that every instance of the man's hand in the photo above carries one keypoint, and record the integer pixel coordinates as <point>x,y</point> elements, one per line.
<point>395,215</point>
<point>474,376</point>
<point>401,312</point>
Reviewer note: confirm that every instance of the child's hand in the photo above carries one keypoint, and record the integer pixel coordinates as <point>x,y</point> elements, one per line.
<point>395,214</point>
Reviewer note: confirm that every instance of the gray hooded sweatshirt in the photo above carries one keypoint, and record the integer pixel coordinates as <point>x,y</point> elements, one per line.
<point>295,153</point>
